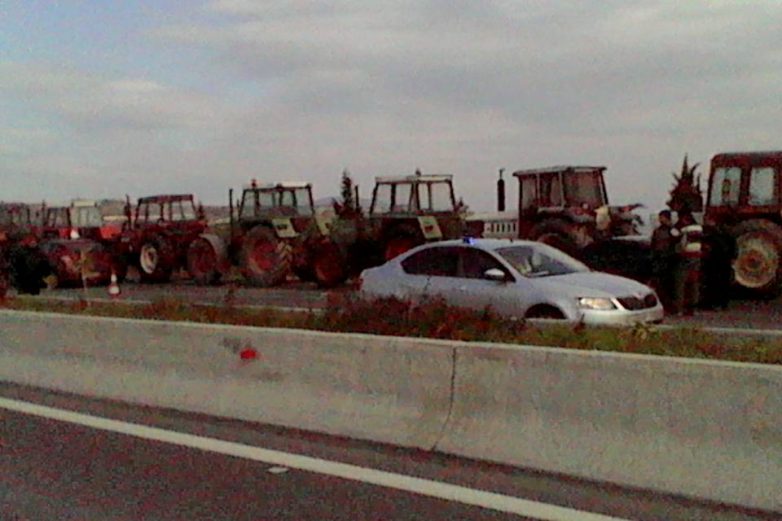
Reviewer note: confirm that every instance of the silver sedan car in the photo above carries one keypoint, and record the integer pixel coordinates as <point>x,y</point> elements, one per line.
<point>521,279</point>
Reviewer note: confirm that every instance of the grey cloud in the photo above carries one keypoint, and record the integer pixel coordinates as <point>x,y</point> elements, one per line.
<point>466,87</point>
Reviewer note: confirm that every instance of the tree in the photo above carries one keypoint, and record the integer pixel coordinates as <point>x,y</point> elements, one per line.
<point>349,205</point>
<point>686,194</point>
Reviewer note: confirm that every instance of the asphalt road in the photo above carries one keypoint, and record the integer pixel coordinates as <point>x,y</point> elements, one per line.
<point>55,469</point>
<point>742,314</point>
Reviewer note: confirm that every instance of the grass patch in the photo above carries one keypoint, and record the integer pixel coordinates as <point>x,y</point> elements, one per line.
<point>435,319</point>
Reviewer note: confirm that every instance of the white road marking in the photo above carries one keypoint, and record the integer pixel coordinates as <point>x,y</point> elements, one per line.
<point>277,470</point>
<point>424,487</point>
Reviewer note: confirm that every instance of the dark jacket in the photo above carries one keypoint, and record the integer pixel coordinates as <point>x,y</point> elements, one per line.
<point>665,239</point>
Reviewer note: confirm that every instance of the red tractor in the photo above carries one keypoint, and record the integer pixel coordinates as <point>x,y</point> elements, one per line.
<point>276,232</point>
<point>744,195</point>
<point>567,207</point>
<point>83,218</point>
<point>80,248</point>
<point>157,236</point>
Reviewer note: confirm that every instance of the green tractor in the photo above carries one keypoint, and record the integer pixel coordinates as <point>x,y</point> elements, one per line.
<point>405,212</point>
<point>274,232</point>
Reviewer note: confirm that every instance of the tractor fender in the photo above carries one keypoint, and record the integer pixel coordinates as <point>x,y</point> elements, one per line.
<point>220,248</point>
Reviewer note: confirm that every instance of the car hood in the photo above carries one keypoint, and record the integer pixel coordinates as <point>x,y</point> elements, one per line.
<point>592,284</point>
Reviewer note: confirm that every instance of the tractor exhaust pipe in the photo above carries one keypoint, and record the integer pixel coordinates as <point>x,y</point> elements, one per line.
<point>501,192</point>
<point>231,210</point>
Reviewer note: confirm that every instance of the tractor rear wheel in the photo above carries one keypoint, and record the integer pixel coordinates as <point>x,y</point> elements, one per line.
<point>265,259</point>
<point>557,233</point>
<point>758,266</point>
<point>156,260</point>
<point>203,262</point>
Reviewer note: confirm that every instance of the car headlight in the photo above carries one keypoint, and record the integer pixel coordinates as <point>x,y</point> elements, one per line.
<point>596,303</point>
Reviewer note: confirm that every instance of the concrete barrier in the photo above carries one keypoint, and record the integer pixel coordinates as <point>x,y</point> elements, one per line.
<point>709,430</point>
<point>385,389</point>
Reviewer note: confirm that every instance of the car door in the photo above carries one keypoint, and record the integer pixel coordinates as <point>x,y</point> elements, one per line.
<point>427,272</point>
<point>474,290</point>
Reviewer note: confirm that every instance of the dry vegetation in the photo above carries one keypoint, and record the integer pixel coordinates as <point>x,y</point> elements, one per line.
<point>435,319</point>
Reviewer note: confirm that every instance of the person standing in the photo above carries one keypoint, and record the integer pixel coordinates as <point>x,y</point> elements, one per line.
<point>664,258</point>
<point>719,252</point>
<point>686,274</point>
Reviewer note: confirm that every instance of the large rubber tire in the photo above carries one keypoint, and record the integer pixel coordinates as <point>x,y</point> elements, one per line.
<point>557,233</point>
<point>203,262</point>
<point>758,266</point>
<point>329,265</point>
<point>399,240</point>
<point>265,259</point>
<point>156,261</point>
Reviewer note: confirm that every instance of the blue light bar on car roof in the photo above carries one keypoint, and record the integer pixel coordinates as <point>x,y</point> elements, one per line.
<point>468,240</point>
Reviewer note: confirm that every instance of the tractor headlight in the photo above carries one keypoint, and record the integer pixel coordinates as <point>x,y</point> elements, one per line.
<point>596,303</point>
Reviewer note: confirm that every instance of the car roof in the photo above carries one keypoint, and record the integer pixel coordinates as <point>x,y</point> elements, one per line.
<point>485,244</point>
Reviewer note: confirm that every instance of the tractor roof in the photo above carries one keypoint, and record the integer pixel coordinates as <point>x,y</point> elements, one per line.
<point>771,155</point>
<point>82,203</point>
<point>285,185</point>
<point>557,169</point>
<point>439,178</point>
<point>166,198</point>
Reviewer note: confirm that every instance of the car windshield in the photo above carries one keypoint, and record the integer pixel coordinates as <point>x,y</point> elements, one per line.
<point>540,260</point>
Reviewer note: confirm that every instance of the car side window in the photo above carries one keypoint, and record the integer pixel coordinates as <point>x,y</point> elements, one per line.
<point>475,264</point>
<point>435,262</point>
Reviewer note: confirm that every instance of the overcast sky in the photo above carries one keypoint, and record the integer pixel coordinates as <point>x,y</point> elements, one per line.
<point>102,98</point>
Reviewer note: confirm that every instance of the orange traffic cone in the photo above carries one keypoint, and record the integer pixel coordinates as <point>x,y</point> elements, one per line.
<point>114,290</point>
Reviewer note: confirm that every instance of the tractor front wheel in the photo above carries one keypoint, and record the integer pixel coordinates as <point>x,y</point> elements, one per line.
<point>398,245</point>
<point>203,262</point>
<point>329,265</point>
<point>155,261</point>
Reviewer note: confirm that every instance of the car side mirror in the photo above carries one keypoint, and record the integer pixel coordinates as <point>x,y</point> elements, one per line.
<point>495,274</point>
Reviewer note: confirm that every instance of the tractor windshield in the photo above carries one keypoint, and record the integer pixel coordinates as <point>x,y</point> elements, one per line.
<point>86,217</point>
<point>57,217</point>
<point>302,201</point>
<point>256,202</point>
<point>584,189</point>
<point>14,216</point>
<point>436,197</point>
<point>413,196</point>
<point>183,210</point>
